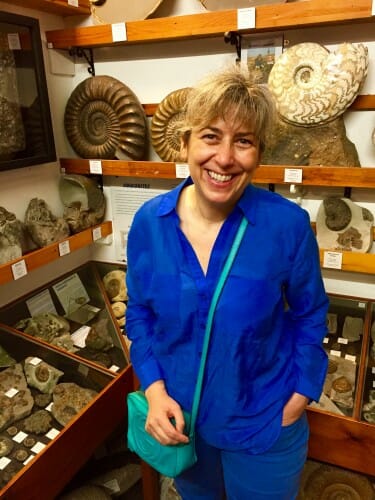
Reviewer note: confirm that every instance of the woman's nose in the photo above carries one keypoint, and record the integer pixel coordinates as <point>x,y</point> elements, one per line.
<point>225,154</point>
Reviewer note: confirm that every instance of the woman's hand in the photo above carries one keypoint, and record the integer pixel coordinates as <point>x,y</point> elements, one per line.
<point>162,408</point>
<point>294,409</point>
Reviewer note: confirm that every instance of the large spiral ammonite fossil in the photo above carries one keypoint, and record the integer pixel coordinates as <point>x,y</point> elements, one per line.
<point>312,86</point>
<point>164,134</point>
<point>331,483</point>
<point>103,118</point>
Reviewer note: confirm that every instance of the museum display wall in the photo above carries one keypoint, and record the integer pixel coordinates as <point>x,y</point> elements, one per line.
<point>150,72</point>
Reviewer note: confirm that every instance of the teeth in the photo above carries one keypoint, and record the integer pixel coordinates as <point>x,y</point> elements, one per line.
<point>219,177</point>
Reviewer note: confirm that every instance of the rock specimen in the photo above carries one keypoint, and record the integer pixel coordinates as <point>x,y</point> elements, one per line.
<point>44,227</point>
<point>41,375</point>
<point>68,400</point>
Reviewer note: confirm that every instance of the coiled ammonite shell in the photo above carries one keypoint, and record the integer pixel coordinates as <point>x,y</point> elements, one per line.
<point>338,213</point>
<point>331,483</point>
<point>103,117</point>
<point>312,86</point>
<point>164,134</point>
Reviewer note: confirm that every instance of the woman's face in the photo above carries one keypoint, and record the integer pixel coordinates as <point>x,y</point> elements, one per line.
<point>222,158</point>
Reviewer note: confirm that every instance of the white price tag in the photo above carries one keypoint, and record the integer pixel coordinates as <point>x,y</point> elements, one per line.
<point>246,18</point>
<point>119,32</point>
<point>52,433</point>
<point>64,248</point>
<point>4,461</point>
<point>38,447</point>
<point>73,3</point>
<point>96,233</point>
<point>182,170</point>
<point>335,353</point>
<point>293,175</point>
<point>10,393</point>
<point>19,269</point>
<point>95,167</point>
<point>19,437</point>
<point>341,340</point>
<point>14,42</point>
<point>35,361</point>
<point>350,357</point>
<point>332,260</point>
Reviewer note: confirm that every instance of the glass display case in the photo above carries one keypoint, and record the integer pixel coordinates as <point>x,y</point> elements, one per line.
<point>368,402</point>
<point>72,313</point>
<point>344,345</point>
<point>42,391</point>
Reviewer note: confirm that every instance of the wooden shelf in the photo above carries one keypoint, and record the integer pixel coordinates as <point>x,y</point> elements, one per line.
<point>214,24</point>
<point>59,7</point>
<point>42,256</point>
<point>359,177</point>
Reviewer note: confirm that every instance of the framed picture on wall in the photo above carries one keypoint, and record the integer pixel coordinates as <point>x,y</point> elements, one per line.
<point>26,136</point>
<point>259,53</point>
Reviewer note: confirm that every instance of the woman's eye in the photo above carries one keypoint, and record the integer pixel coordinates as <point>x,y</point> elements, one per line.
<point>245,142</point>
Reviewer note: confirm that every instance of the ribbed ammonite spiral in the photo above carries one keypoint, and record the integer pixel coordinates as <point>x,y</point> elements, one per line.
<point>104,117</point>
<point>338,214</point>
<point>329,483</point>
<point>164,135</point>
<point>312,86</point>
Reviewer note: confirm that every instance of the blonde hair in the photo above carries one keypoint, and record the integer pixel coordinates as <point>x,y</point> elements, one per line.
<point>229,93</point>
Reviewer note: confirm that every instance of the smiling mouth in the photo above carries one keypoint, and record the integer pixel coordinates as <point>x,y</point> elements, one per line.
<point>219,177</point>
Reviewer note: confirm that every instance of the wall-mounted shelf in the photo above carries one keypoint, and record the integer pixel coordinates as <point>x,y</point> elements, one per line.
<point>43,256</point>
<point>59,7</point>
<point>356,177</point>
<point>210,24</point>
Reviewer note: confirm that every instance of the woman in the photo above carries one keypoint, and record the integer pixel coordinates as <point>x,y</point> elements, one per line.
<point>265,360</point>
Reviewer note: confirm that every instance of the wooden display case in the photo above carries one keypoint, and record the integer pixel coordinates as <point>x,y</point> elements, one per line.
<point>77,298</point>
<point>338,432</point>
<point>45,472</point>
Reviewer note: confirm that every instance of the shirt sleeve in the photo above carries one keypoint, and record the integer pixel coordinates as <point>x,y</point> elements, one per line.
<point>308,306</point>
<point>139,316</point>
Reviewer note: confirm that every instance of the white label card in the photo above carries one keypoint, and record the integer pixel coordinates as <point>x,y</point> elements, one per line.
<point>96,233</point>
<point>350,357</point>
<point>19,269</point>
<point>95,167</point>
<point>35,361</point>
<point>373,8</point>
<point>246,18</point>
<point>19,437</point>
<point>10,393</point>
<point>119,32</point>
<point>341,340</point>
<point>362,305</point>
<point>38,447</point>
<point>52,433</point>
<point>64,248</point>
<point>325,340</point>
<point>293,175</point>
<point>114,368</point>
<point>373,370</point>
<point>4,461</point>
<point>73,3</point>
<point>14,41</point>
<point>182,170</point>
<point>335,353</point>
<point>333,260</point>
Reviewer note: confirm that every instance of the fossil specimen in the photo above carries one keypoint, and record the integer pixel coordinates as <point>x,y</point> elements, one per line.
<point>312,86</point>
<point>42,376</point>
<point>39,422</point>
<point>353,328</point>
<point>45,326</point>
<point>44,227</point>
<point>12,237</point>
<point>118,309</point>
<point>68,400</point>
<point>115,286</point>
<point>165,123</point>
<point>99,338</point>
<point>341,224</point>
<point>83,200</point>
<point>5,358</point>
<point>6,446</point>
<point>104,118</point>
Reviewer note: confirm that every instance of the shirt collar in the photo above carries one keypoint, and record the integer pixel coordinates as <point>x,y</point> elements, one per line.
<point>247,203</point>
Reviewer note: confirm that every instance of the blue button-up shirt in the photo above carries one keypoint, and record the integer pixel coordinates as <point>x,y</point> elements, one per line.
<point>266,340</point>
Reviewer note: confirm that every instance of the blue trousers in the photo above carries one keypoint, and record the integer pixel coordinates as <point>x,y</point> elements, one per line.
<point>238,475</point>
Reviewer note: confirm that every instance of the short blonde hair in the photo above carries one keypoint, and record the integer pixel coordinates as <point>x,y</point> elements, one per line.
<point>232,93</point>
